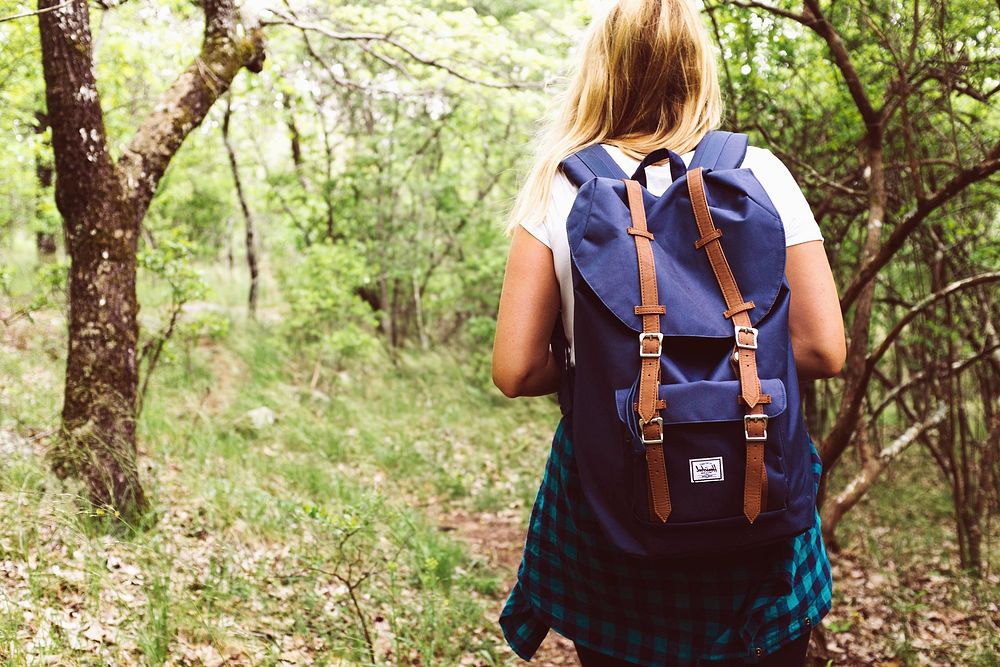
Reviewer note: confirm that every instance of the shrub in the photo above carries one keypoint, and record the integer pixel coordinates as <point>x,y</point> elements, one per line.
<point>322,295</point>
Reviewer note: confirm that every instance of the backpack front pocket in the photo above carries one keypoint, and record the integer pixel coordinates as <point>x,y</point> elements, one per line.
<point>704,448</point>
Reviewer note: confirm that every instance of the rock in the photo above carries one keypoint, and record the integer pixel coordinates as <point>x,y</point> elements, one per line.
<point>11,444</point>
<point>261,417</point>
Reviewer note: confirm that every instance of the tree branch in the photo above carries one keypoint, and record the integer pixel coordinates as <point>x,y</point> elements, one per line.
<point>814,19</point>
<point>958,285</point>
<point>837,440</point>
<point>822,27</point>
<point>387,38</point>
<point>912,220</point>
<point>872,468</point>
<point>929,374</point>
<point>224,52</point>
<point>771,9</point>
<point>12,17</point>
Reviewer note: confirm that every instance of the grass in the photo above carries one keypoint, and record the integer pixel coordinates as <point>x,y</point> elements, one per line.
<point>308,539</point>
<point>316,538</point>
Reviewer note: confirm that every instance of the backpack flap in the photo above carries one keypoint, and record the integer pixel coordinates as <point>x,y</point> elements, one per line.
<point>604,254</point>
<point>701,402</point>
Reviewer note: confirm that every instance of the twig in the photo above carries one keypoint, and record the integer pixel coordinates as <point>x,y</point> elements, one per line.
<point>36,12</point>
<point>924,207</point>
<point>387,38</point>
<point>958,285</point>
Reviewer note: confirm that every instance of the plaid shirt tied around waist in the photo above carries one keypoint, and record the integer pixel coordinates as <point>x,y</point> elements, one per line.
<point>732,607</point>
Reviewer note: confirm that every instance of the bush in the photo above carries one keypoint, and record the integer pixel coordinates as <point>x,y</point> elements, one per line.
<point>322,295</point>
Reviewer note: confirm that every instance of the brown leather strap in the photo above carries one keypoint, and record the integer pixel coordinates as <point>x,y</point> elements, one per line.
<point>755,482</point>
<point>702,242</point>
<point>748,305</point>
<point>639,232</point>
<point>660,405</point>
<point>650,347</point>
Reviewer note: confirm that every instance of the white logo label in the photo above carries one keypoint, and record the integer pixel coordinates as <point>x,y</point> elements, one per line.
<point>706,470</point>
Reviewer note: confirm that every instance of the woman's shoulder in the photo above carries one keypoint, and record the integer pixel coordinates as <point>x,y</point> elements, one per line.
<point>770,170</point>
<point>761,158</point>
<point>785,194</point>
<point>561,191</point>
<point>562,194</point>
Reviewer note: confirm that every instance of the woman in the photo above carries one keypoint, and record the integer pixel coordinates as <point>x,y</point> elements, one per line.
<point>647,79</point>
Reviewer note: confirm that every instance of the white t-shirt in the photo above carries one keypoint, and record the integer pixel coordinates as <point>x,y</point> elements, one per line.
<point>792,207</point>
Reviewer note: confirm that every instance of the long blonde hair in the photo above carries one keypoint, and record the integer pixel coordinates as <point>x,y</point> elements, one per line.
<point>647,79</point>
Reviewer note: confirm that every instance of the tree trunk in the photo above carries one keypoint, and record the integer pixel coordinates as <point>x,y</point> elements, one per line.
<point>101,373</point>
<point>386,303</point>
<point>419,313</point>
<point>251,245</point>
<point>855,385</point>
<point>102,204</point>
<point>45,244</point>
<point>295,142</point>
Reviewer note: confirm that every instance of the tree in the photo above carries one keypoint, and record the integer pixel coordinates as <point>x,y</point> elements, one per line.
<point>885,109</point>
<point>103,202</point>
<point>419,135</point>
<point>251,246</point>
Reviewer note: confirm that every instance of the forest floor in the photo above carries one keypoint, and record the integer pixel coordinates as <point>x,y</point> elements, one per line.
<point>309,512</point>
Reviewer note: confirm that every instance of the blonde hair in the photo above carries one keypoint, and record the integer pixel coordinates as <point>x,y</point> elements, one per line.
<point>647,79</point>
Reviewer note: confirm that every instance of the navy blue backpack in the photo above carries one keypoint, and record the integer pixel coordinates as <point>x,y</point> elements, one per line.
<point>686,419</point>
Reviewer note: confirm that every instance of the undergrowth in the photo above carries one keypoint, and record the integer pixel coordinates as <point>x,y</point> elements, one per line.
<point>297,498</point>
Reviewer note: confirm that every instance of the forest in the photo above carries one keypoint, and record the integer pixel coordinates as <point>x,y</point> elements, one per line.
<point>250,262</point>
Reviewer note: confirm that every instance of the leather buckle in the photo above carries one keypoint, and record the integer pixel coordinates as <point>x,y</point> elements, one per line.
<point>741,330</point>
<point>658,337</point>
<point>746,422</point>
<point>659,441</point>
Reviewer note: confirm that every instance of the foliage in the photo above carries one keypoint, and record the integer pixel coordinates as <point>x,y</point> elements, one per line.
<point>169,261</point>
<point>322,295</point>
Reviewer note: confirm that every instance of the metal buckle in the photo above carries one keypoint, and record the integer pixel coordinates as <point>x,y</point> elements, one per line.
<point>746,433</point>
<point>642,431</point>
<point>659,344</point>
<point>749,330</point>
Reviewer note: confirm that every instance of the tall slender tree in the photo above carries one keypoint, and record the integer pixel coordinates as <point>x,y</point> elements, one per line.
<point>103,202</point>
<point>251,244</point>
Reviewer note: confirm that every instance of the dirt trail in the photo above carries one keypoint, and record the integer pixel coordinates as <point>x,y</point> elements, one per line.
<point>499,538</point>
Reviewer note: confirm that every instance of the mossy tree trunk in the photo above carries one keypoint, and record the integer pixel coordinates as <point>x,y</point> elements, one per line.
<point>103,202</point>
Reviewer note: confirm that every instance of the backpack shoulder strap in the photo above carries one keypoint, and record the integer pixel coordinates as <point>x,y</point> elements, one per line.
<point>649,405</point>
<point>720,150</point>
<point>592,161</point>
<point>744,354</point>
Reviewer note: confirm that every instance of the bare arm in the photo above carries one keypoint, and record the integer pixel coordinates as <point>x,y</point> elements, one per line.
<point>523,364</point>
<point>815,321</point>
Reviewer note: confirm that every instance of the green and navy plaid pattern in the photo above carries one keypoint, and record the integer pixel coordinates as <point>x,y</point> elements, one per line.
<point>656,612</point>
